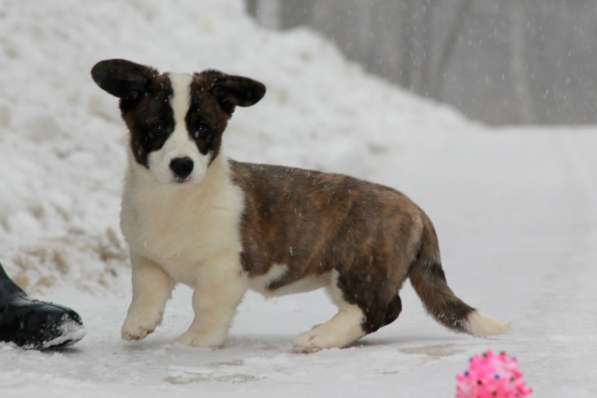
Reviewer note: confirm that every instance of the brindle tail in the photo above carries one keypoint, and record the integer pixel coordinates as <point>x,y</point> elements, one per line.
<point>429,281</point>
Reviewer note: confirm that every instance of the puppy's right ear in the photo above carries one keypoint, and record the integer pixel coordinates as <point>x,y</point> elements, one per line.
<point>123,79</point>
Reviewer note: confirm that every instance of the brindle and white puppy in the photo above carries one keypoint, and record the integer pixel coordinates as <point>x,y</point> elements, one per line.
<point>192,216</point>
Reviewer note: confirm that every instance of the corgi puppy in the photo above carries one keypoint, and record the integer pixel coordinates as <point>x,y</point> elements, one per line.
<point>191,215</point>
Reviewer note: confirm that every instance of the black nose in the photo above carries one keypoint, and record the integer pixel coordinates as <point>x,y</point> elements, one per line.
<point>182,167</point>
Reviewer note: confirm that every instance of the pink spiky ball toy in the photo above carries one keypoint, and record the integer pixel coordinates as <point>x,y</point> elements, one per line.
<point>492,376</point>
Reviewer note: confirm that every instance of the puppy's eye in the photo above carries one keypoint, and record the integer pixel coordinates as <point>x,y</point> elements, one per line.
<point>201,132</point>
<point>156,131</point>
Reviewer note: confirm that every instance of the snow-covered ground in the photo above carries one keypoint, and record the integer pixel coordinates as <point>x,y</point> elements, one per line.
<point>515,210</point>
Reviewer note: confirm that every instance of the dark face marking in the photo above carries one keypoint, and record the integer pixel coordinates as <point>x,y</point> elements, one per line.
<point>145,104</point>
<point>150,120</point>
<point>206,120</point>
<point>214,96</point>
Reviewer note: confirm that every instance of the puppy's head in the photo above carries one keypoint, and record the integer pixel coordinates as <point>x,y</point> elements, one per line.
<point>176,121</point>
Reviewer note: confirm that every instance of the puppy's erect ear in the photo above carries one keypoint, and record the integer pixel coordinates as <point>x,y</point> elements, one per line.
<point>123,79</point>
<point>232,91</point>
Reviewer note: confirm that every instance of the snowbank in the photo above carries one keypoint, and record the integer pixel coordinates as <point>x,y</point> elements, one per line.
<point>62,144</point>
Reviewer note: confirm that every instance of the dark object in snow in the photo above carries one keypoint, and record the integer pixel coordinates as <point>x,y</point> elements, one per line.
<point>34,324</point>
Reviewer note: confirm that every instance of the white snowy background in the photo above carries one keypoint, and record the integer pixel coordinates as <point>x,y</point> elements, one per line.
<point>514,208</point>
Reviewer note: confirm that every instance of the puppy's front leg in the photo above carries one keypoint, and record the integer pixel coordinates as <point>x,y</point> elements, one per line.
<point>220,287</point>
<point>151,290</point>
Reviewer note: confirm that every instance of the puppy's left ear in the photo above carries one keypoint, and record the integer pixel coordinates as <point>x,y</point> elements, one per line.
<point>232,91</point>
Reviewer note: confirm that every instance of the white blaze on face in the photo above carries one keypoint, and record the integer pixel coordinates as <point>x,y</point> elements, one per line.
<point>179,144</point>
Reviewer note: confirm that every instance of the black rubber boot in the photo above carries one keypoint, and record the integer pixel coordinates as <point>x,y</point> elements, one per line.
<point>35,324</point>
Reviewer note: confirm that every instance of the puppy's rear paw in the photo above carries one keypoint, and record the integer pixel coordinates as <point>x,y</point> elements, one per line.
<point>313,341</point>
<point>198,339</point>
<point>139,324</point>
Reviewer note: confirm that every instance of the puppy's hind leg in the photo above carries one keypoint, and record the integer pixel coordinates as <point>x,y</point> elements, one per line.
<point>343,329</point>
<point>151,290</point>
<point>375,305</point>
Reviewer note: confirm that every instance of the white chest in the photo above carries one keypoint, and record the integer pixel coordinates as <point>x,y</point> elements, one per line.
<point>182,228</point>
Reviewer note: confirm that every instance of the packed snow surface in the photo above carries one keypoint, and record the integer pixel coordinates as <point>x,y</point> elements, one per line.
<point>514,208</point>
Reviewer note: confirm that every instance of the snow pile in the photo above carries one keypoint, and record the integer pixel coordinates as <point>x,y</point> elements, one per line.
<point>62,142</point>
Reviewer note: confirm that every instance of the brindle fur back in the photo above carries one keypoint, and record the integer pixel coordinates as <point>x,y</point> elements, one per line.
<point>315,222</point>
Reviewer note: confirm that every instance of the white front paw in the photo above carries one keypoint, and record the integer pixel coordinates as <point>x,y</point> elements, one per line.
<point>140,322</point>
<point>199,339</point>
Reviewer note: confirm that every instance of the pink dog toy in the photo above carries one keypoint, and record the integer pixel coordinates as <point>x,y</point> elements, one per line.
<point>492,376</point>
